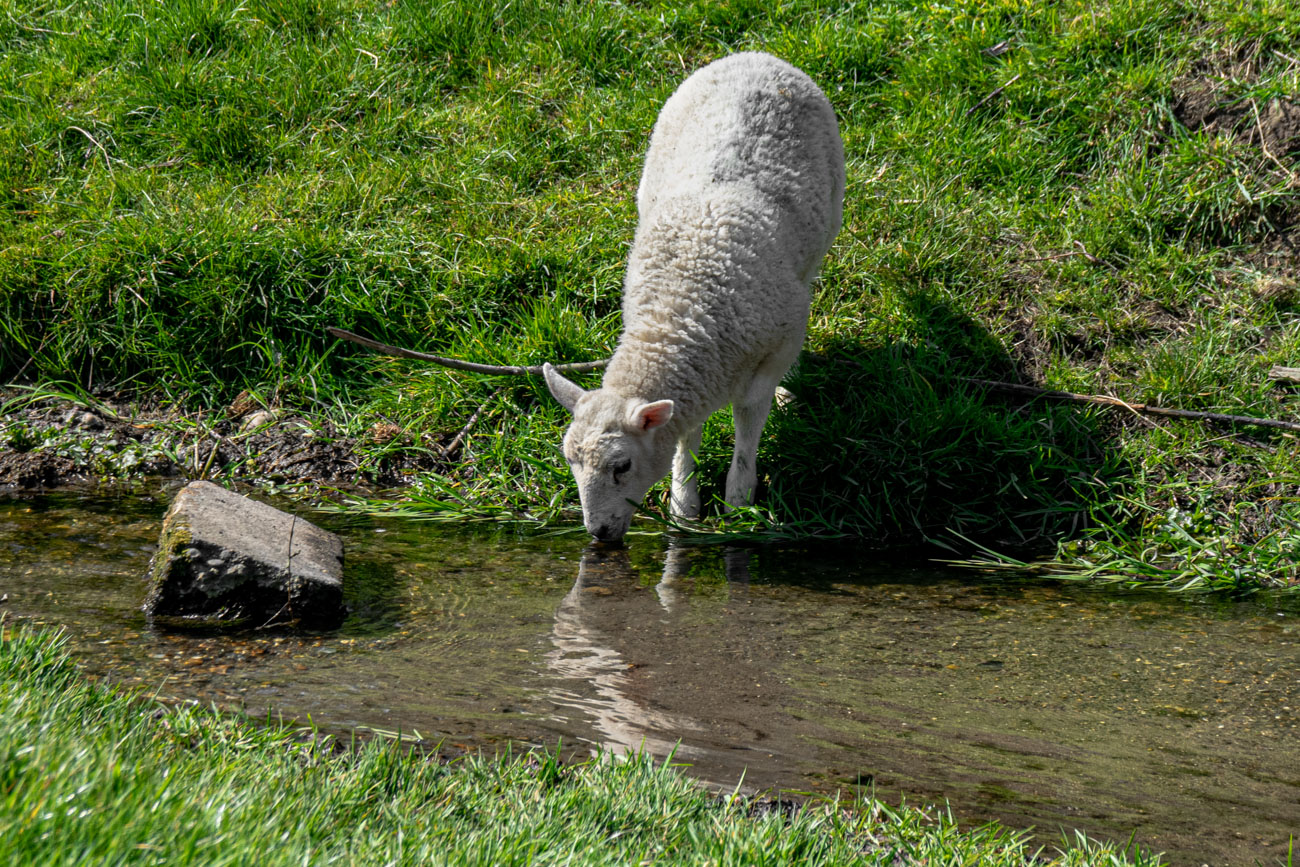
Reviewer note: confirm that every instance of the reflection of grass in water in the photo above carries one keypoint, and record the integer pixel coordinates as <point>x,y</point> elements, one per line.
<point>92,773</point>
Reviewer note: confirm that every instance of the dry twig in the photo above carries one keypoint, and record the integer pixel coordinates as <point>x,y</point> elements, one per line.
<point>1143,408</point>
<point>1287,374</point>
<point>456,441</point>
<point>469,366</point>
<point>1082,251</point>
<point>974,108</point>
<point>1263,145</point>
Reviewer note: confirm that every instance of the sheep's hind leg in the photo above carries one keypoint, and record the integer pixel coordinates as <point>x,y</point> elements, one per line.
<point>750,414</point>
<point>686,491</point>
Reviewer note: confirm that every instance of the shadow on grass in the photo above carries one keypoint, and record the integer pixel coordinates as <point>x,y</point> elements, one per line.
<point>889,444</point>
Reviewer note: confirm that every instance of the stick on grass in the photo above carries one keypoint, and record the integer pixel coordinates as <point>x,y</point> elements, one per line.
<point>976,107</point>
<point>1279,373</point>
<point>1141,408</point>
<point>470,366</point>
<point>456,442</point>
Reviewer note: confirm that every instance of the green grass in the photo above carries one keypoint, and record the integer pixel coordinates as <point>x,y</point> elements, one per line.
<point>88,775</point>
<point>192,191</point>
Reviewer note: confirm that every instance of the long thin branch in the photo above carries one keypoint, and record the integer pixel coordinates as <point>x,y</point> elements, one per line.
<point>1145,408</point>
<point>470,366</point>
<point>1281,373</point>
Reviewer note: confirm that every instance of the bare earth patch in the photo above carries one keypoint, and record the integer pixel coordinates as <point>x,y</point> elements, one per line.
<point>1203,101</point>
<point>1200,105</point>
<point>58,444</point>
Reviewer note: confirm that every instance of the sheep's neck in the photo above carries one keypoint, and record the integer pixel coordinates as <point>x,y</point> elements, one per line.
<point>650,370</point>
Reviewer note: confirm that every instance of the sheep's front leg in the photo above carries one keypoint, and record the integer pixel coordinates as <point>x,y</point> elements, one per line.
<point>686,491</point>
<point>750,414</point>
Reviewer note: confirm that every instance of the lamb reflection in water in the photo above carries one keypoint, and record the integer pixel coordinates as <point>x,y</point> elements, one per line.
<point>607,600</point>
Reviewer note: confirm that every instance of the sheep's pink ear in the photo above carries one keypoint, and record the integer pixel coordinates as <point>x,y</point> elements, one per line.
<point>649,416</point>
<point>566,392</point>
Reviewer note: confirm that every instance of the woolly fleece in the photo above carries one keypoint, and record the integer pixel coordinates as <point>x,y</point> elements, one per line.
<point>741,196</point>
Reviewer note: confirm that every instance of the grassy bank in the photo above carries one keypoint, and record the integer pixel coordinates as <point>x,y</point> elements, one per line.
<point>92,776</point>
<point>1098,199</point>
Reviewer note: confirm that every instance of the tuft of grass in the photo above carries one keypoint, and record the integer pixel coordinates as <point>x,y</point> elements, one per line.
<point>1197,545</point>
<point>91,774</point>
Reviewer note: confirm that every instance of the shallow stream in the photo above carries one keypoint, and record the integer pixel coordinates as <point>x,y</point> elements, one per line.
<point>808,670</point>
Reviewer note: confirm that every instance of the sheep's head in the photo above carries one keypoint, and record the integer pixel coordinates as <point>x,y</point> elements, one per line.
<point>617,448</point>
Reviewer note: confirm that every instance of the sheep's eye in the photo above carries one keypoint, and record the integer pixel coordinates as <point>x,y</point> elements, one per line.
<point>620,468</point>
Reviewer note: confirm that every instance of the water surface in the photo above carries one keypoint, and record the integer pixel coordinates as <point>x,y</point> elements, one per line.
<point>819,670</point>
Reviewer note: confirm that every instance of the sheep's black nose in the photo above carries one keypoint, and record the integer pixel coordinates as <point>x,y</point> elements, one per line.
<point>609,533</point>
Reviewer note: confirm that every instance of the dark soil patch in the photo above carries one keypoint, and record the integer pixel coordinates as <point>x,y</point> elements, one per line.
<point>34,471</point>
<point>1213,99</point>
<point>1209,98</point>
<point>1201,106</point>
<point>58,444</point>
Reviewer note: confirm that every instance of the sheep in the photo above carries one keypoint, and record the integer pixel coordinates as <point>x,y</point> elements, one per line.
<point>740,198</point>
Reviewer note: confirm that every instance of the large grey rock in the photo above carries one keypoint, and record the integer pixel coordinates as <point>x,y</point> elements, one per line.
<point>224,557</point>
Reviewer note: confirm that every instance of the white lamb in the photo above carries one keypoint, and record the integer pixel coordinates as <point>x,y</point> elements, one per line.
<point>741,196</point>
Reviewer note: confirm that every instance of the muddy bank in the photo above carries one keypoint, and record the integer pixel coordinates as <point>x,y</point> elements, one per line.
<point>61,443</point>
